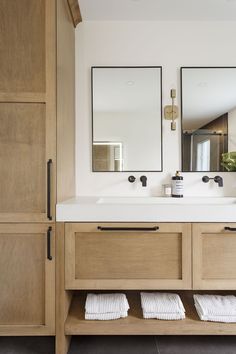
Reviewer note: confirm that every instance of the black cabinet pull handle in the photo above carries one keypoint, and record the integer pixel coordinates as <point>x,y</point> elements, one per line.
<point>49,163</point>
<point>110,228</point>
<point>49,256</point>
<point>230,228</point>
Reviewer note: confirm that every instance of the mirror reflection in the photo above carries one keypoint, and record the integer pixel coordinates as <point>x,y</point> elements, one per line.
<point>208,119</point>
<point>127,120</point>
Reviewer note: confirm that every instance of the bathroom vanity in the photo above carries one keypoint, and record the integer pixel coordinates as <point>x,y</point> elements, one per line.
<point>182,256</point>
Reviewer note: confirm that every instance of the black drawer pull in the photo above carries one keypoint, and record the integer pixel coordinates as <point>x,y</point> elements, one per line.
<point>49,163</point>
<point>104,228</point>
<point>230,228</point>
<point>49,256</point>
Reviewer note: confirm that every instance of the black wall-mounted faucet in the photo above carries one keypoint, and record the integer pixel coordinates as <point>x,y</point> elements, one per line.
<point>143,179</point>
<point>217,179</point>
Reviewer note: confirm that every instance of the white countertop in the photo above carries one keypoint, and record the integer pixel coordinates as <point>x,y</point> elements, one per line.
<point>147,209</point>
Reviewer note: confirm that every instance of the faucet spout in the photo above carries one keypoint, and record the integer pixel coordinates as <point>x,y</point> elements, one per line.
<point>143,179</point>
<point>219,180</point>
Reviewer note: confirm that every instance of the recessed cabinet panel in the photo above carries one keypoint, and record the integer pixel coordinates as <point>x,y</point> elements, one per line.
<point>22,158</point>
<point>128,257</point>
<point>214,256</point>
<point>27,277</point>
<point>22,48</point>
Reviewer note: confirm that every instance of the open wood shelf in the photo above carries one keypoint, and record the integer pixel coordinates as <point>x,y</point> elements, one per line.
<point>134,324</point>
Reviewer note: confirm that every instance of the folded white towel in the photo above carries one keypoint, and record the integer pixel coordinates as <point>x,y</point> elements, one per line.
<point>105,316</point>
<point>216,308</point>
<point>105,303</point>
<point>216,305</point>
<point>163,306</point>
<point>164,316</point>
<point>211,318</point>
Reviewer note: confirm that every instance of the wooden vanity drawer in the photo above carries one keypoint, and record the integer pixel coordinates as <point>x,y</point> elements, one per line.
<point>214,256</point>
<point>129,256</point>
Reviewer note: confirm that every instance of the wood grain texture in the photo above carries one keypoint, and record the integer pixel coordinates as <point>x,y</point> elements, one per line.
<point>214,254</point>
<point>22,158</point>
<point>51,90</point>
<point>22,46</point>
<point>131,260</point>
<point>63,297</point>
<point>75,11</point>
<point>65,103</point>
<point>27,277</point>
<point>25,97</point>
<point>134,324</point>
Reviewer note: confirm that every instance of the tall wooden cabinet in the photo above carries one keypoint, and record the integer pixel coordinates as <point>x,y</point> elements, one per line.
<point>27,110</point>
<point>36,106</point>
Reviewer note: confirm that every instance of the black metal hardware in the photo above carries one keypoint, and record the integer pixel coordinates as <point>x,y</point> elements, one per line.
<point>143,179</point>
<point>216,179</point>
<point>206,179</point>
<point>49,163</point>
<point>49,256</point>
<point>230,228</point>
<point>115,228</point>
<point>219,180</point>
<point>131,179</point>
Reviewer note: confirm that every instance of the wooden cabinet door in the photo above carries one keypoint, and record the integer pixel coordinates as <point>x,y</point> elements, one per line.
<point>128,256</point>
<point>27,279</point>
<point>22,49</point>
<point>214,256</point>
<point>25,174</point>
<point>27,110</point>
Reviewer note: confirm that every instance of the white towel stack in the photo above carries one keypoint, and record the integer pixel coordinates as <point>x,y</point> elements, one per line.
<point>162,306</point>
<point>106,306</point>
<point>216,308</point>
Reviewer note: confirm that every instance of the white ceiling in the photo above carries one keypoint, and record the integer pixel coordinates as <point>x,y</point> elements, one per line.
<point>158,10</point>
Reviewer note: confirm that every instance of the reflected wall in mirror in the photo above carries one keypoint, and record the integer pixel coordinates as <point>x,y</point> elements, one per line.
<point>127,119</point>
<point>208,119</point>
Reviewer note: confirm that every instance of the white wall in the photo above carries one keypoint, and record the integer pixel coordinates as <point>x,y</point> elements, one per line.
<point>171,45</point>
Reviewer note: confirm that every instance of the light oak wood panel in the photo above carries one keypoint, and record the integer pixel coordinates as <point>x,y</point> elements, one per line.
<point>134,324</point>
<point>22,158</point>
<point>65,103</point>
<point>75,11</point>
<point>214,256</point>
<point>64,297</point>
<point>51,96</point>
<point>27,277</point>
<point>24,97</point>
<point>134,255</point>
<point>128,259</point>
<point>22,46</point>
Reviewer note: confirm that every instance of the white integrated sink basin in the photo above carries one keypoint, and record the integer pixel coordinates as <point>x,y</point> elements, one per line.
<point>164,200</point>
<point>147,209</point>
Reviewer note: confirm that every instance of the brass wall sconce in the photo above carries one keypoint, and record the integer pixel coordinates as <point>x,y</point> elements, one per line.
<point>171,112</point>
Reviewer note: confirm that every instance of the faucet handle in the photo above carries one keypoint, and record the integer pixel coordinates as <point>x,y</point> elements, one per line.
<point>205,179</point>
<point>131,179</point>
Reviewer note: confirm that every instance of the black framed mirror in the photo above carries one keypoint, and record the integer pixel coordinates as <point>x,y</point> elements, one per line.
<point>208,114</point>
<point>126,119</point>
